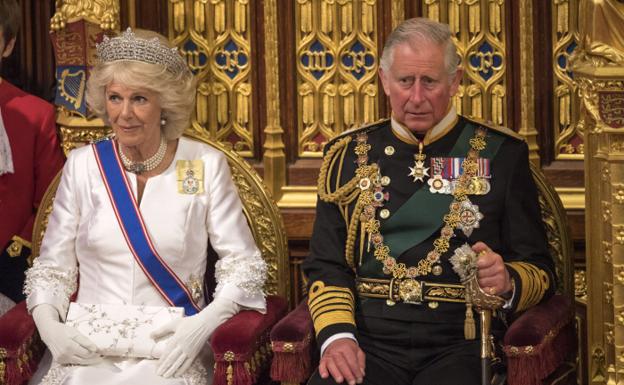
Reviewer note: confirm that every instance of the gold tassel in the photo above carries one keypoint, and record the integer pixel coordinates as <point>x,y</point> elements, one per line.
<point>469,323</point>
<point>363,240</point>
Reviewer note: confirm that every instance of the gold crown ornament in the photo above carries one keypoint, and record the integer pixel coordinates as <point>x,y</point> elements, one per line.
<point>129,47</point>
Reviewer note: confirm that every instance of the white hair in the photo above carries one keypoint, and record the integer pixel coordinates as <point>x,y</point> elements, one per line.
<point>417,30</point>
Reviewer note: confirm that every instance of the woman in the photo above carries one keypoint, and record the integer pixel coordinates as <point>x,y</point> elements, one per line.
<point>171,196</point>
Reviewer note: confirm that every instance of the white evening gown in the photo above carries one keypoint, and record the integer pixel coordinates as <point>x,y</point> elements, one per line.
<point>84,239</point>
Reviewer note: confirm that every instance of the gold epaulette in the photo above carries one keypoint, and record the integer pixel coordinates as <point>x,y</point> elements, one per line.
<point>501,129</point>
<point>335,153</point>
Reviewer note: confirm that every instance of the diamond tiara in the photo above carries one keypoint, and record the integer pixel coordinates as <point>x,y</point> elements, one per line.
<point>128,47</point>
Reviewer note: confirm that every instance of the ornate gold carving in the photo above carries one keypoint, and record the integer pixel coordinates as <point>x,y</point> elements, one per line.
<point>580,285</point>
<point>610,333</point>
<point>605,175</point>
<point>611,108</point>
<point>73,137</point>
<point>598,365</point>
<point>336,61</point>
<point>600,31</point>
<point>41,219</point>
<point>617,146</point>
<point>274,157</point>
<point>606,210</point>
<point>605,233</point>
<point>477,29</point>
<point>618,194</point>
<point>431,9</point>
<point>398,12</point>
<point>607,251</point>
<point>608,290</point>
<point>104,13</point>
<point>554,219</point>
<point>527,95</point>
<point>568,133</point>
<point>618,233</point>
<point>214,37</point>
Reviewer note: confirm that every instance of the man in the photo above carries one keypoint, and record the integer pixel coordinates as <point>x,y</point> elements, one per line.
<point>397,199</point>
<point>30,157</point>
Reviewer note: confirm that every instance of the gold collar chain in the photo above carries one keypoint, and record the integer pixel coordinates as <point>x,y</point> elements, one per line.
<point>372,226</point>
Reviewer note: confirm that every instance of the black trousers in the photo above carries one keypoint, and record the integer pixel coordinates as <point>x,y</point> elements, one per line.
<point>12,276</point>
<point>413,353</point>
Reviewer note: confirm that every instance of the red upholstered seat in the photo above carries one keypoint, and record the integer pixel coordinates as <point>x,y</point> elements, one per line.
<point>241,346</point>
<point>20,346</point>
<point>540,340</point>
<point>292,340</point>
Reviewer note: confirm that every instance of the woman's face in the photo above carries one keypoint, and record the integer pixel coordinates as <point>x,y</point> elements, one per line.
<point>134,115</point>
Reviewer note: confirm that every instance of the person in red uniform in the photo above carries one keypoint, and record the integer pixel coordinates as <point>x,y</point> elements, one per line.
<point>30,157</point>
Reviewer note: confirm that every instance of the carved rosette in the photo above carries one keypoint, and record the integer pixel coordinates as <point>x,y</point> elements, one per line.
<point>580,285</point>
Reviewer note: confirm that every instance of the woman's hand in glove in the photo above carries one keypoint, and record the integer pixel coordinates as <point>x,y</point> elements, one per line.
<point>66,343</point>
<point>189,336</point>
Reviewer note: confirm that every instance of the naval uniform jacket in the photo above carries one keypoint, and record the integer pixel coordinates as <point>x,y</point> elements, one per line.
<point>511,226</point>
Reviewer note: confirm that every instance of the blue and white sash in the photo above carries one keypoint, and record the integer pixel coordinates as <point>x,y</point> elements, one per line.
<point>134,230</point>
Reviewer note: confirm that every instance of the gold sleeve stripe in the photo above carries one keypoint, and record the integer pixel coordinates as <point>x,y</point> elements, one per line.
<point>331,308</point>
<point>533,282</point>
<point>532,289</point>
<point>318,290</point>
<point>329,301</point>
<point>337,295</point>
<point>330,305</point>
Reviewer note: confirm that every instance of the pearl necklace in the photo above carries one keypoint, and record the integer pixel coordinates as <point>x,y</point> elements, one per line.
<point>148,164</point>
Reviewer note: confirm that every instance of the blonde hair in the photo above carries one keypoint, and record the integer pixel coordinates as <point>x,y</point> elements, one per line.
<point>418,29</point>
<point>176,92</point>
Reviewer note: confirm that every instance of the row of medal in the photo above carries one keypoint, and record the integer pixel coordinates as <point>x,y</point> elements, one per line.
<point>446,172</point>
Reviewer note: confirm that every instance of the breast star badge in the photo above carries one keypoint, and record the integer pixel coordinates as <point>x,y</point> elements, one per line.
<point>469,217</point>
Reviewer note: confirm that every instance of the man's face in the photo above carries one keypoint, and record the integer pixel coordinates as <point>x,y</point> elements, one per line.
<point>418,85</point>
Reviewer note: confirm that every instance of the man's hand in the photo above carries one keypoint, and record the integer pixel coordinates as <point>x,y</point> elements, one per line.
<point>344,360</point>
<point>493,275</point>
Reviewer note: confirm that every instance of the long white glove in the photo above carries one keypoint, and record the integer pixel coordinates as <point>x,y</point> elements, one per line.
<point>190,334</point>
<point>67,345</point>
